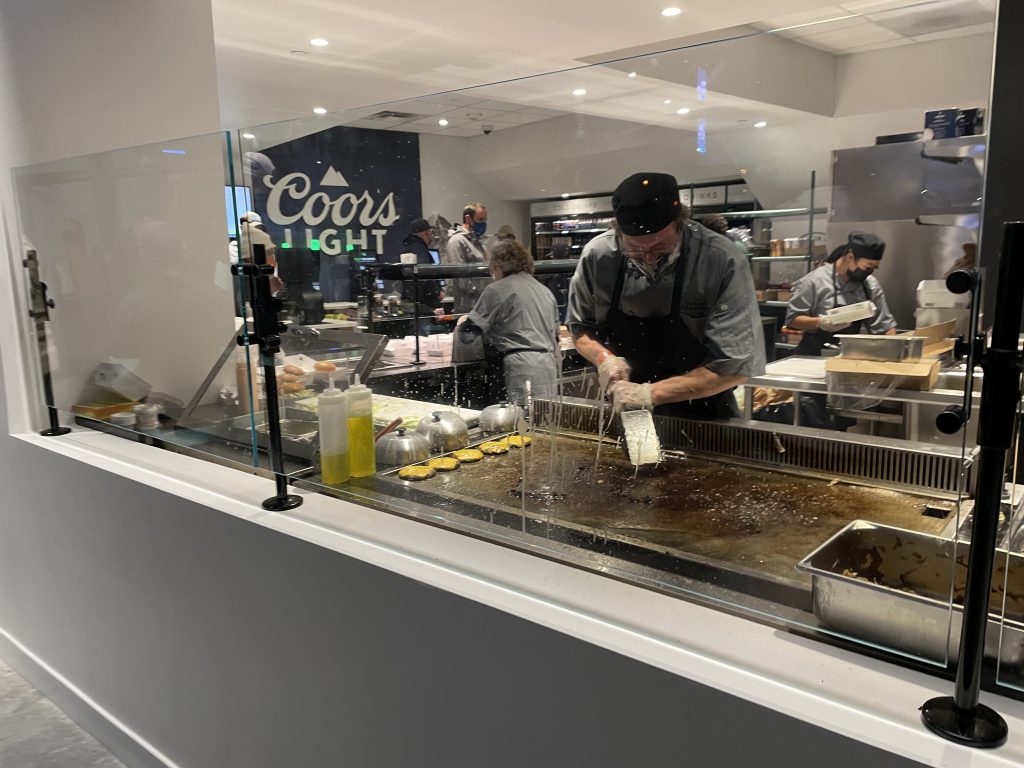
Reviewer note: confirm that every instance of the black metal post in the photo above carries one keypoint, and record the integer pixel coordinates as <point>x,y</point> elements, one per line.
<point>416,312</point>
<point>40,313</point>
<point>961,718</point>
<point>265,332</point>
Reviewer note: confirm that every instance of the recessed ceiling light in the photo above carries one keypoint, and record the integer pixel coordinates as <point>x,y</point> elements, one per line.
<point>631,74</point>
<point>743,171</point>
<point>248,135</point>
<point>319,42</point>
<point>668,101</point>
<point>683,111</point>
<point>673,11</point>
<point>580,92</point>
<point>319,111</point>
<point>760,124</point>
<point>442,122</point>
<point>565,195</point>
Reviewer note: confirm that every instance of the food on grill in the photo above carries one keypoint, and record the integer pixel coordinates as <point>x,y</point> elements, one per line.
<point>519,441</point>
<point>419,472</point>
<point>444,463</point>
<point>468,455</point>
<point>494,447</point>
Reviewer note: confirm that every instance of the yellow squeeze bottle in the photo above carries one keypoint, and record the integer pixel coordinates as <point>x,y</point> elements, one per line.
<point>332,407</point>
<point>362,452</point>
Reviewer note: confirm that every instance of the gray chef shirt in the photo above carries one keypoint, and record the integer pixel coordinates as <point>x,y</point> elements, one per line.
<point>823,288</point>
<point>717,304</point>
<point>517,313</point>
<point>465,247</point>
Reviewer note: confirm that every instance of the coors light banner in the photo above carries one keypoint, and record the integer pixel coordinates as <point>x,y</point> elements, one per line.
<point>353,189</point>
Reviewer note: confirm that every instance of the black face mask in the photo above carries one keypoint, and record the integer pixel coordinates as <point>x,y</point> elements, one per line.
<point>859,275</point>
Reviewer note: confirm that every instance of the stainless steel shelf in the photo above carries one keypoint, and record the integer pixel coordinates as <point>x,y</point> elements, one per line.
<point>773,303</point>
<point>571,231</point>
<point>777,213</point>
<point>805,257</point>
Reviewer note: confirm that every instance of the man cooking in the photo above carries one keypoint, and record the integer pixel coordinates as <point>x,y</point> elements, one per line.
<point>845,279</point>
<point>665,308</point>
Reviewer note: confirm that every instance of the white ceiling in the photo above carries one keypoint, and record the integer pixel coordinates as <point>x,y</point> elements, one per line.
<point>869,25</point>
<point>378,54</point>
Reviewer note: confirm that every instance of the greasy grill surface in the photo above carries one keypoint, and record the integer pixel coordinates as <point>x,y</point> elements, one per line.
<point>742,518</point>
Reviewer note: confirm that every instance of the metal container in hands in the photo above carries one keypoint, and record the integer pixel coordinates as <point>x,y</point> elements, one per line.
<point>445,431</point>
<point>501,417</point>
<point>398,448</point>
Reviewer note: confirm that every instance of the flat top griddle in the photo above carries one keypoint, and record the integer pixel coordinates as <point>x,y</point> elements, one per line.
<point>753,519</point>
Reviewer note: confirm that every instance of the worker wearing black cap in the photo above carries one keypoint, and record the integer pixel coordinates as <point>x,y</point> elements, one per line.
<point>664,307</point>
<point>418,242</point>
<point>846,279</point>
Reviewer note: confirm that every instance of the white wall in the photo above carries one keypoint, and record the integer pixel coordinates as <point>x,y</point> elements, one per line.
<point>87,77</point>
<point>450,180</point>
<point>943,74</point>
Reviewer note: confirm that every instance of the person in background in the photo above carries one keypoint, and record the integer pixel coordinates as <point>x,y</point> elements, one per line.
<point>251,232</point>
<point>665,308</point>
<point>505,233</point>
<point>846,278</point>
<point>518,320</point>
<point>418,242</point>
<point>716,223</point>
<point>558,284</point>
<point>466,246</point>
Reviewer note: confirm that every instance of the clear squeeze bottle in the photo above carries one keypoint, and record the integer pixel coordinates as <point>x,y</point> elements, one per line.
<point>332,406</point>
<point>360,430</point>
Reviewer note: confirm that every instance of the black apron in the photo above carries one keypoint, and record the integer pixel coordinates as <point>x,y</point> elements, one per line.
<point>813,342</point>
<point>658,348</point>
<point>814,410</point>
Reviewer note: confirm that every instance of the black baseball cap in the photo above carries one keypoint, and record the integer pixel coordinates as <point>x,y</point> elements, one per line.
<point>646,203</point>
<point>419,225</point>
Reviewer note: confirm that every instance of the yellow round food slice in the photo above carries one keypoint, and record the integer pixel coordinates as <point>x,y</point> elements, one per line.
<point>468,455</point>
<point>444,463</point>
<point>519,441</point>
<point>419,472</point>
<point>494,447</point>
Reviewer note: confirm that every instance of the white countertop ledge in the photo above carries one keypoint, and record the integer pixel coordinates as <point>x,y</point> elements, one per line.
<point>869,700</point>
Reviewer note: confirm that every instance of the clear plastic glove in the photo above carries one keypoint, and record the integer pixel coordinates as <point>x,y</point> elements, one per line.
<point>612,369</point>
<point>628,396</point>
<point>828,325</point>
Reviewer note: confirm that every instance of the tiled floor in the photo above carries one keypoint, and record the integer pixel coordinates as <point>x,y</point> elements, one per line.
<point>35,734</point>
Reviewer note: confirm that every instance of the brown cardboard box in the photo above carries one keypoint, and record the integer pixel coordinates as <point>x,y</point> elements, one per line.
<point>919,375</point>
<point>938,338</point>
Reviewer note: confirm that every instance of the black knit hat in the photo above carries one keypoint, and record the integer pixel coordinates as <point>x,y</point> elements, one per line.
<point>419,225</point>
<point>646,203</point>
<point>863,244</point>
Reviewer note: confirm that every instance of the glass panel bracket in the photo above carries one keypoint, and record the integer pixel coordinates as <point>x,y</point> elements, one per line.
<point>961,718</point>
<point>266,330</point>
<point>40,314</point>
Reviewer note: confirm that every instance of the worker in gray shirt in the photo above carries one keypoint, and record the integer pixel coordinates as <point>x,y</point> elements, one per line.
<point>845,279</point>
<point>518,319</point>
<point>466,246</point>
<point>665,308</point>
